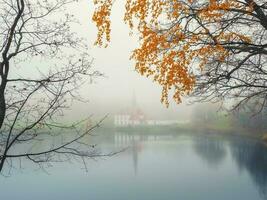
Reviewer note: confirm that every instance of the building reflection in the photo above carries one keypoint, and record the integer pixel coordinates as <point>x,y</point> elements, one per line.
<point>136,148</point>
<point>135,142</point>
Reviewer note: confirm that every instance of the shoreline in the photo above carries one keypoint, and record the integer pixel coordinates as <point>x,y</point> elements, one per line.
<point>207,130</point>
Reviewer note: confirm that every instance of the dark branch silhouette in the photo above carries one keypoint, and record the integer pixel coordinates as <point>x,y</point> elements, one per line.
<point>242,76</point>
<point>40,33</point>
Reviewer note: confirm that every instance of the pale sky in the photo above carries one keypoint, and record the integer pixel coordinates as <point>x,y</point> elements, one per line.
<point>115,92</point>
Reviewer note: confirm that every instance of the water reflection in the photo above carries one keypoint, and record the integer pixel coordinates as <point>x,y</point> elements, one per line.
<point>252,157</point>
<point>211,150</point>
<point>135,143</point>
<point>159,166</point>
<point>248,154</point>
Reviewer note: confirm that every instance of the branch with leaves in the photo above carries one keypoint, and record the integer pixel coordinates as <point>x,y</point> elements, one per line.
<point>210,49</point>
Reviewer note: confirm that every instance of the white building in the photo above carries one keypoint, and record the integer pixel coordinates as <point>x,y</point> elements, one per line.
<point>133,119</point>
<point>122,120</point>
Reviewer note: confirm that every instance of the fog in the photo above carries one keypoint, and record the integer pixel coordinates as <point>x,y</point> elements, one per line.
<point>121,83</point>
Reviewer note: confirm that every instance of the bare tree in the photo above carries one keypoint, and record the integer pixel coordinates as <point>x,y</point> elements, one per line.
<point>242,76</point>
<point>39,33</point>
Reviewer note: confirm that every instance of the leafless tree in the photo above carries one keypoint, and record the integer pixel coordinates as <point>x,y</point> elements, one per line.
<point>242,76</point>
<point>38,34</point>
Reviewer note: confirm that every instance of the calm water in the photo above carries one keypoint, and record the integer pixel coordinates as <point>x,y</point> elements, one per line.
<point>155,167</point>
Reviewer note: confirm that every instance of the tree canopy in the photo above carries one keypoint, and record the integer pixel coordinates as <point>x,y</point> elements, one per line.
<point>215,49</point>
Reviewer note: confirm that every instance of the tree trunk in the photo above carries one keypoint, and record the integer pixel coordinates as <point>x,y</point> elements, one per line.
<point>2,163</point>
<point>2,116</point>
<point>2,108</point>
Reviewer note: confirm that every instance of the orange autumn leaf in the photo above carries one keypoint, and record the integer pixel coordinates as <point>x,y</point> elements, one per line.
<point>175,40</point>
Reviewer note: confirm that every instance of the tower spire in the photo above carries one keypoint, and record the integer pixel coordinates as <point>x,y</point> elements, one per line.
<point>134,102</point>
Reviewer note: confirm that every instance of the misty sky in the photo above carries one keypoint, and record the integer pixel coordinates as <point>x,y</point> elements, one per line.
<point>114,92</point>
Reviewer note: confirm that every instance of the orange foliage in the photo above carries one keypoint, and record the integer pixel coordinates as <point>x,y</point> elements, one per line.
<point>101,18</point>
<point>173,43</point>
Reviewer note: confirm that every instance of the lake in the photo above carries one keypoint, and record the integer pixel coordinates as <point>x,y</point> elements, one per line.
<point>166,166</point>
